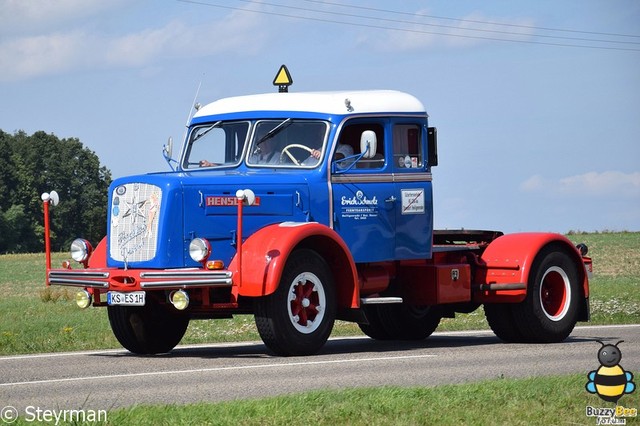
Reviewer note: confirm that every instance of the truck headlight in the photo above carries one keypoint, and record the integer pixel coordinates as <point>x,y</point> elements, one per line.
<point>80,250</point>
<point>83,299</point>
<point>179,299</point>
<point>199,250</point>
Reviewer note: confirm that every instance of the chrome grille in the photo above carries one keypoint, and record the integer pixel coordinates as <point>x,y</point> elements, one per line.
<point>134,212</point>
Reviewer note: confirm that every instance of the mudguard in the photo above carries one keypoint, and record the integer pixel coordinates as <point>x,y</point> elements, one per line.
<point>265,253</point>
<point>506,265</point>
<point>98,258</point>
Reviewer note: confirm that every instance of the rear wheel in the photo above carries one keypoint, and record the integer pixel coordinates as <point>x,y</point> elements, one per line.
<point>375,329</point>
<point>550,311</point>
<point>298,317</point>
<point>408,322</point>
<point>500,319</point>
<point>149,329</point>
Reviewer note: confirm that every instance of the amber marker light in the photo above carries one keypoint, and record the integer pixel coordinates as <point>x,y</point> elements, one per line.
<point>214,265</point>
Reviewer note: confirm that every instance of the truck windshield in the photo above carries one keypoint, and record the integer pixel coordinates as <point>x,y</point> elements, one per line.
<point>288,143</point>
<point>216,144</point>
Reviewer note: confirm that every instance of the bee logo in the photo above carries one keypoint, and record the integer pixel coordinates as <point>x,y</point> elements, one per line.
<point>610,381</point>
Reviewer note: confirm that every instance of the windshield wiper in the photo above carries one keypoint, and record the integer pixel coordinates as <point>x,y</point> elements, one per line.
<point>207,130</point>
<point>274,131</point>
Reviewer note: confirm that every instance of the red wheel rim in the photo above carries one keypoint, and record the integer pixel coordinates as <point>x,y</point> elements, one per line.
<point>555,293</point>
<point>307,300</point>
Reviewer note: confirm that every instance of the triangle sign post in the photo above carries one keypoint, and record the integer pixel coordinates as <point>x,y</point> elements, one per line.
<point>283,79</point>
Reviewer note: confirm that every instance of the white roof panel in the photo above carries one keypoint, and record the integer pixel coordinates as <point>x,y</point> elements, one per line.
<point>344,102</point>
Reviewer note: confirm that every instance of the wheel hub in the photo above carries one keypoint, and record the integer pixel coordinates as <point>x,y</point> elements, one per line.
<point>555,293</point>
<point>306,301</point>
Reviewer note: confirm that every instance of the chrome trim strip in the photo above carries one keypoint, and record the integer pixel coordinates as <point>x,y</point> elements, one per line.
<point>77,273</point>
<point>226,282</point>
<point>187,274</point>
<point>382,177</point>
<point>413,177</point>
<point>78,283</point>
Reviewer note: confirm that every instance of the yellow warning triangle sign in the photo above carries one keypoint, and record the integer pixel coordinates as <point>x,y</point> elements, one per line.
<point>283,79</point>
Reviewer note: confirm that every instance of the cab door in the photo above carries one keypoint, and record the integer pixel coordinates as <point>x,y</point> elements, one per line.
<point>364,196</point>
<point>412,181</point>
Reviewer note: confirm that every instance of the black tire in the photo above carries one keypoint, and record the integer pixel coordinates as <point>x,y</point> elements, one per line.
<point>550,311</point>
<point>500,319</point>
<point>375,329</point>
<point>149,329</point>
<point>407,322</point>
<point>298,317</point>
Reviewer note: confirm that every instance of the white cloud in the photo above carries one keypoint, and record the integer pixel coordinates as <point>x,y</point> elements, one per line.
<point>593,184</point>
<point>31,56</point>
<point>23,57</point>
<point>28,17</point>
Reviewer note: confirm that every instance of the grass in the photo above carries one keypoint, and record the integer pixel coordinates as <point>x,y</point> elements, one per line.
<point>545,401</point>
<point>532,401</point>
<point>37,319</point>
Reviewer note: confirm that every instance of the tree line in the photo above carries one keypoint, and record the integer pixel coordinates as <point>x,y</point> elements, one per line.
<point>31,165</point>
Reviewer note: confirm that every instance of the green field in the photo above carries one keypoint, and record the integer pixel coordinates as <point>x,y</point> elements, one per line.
<point>33,319</point>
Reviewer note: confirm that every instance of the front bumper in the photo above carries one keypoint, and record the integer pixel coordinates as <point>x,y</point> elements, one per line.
<point>139,279</point>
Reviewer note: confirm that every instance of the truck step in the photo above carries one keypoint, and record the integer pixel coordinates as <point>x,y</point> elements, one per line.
<point>379,300</point>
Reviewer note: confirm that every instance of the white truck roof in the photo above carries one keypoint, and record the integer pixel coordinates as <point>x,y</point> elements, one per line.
<point>340,102</point>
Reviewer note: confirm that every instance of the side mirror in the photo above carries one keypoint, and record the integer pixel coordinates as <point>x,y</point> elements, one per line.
<point>432,146</point>
<point>168,148</point>
<point>368,144</point>
<point>167,151</point>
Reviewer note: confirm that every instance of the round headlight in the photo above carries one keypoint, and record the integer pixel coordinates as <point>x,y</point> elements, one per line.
<point>80,250</point>
<point>199,249</point>
<point>179,299</point>
<point>83,299</point>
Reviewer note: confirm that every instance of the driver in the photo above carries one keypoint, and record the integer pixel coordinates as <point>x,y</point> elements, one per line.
<point>268,154</point>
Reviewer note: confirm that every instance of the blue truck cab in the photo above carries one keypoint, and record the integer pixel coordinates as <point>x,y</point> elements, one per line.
<point>378,195</point>
<point>304,208</point>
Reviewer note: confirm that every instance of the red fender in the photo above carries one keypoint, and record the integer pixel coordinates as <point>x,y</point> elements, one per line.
<point>265,253</point>
<point>98,257</point>
<point>508,259</point>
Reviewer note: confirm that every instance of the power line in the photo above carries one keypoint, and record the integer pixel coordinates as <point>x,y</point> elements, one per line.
<point>360,24</point>
<point>472,20</point>
<point>396,21</point>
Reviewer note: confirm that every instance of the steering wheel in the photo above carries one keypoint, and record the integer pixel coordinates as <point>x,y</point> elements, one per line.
<point>285,150</point>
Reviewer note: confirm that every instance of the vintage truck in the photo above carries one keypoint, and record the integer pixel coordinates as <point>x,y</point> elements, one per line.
<point>304,208</point>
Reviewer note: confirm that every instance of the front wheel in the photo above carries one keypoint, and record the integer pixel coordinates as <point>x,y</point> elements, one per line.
<point>298,317</point>
<point>149,329</point>
<point>550,311</point>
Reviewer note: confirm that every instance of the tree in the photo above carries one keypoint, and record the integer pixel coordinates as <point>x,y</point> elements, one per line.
<point>42,163</point>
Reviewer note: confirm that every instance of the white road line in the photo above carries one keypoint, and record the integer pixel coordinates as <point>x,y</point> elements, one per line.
<point>242,344</point>
<point>208,370</point>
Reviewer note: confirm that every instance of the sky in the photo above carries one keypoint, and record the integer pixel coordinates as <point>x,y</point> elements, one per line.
<point>537,104</point>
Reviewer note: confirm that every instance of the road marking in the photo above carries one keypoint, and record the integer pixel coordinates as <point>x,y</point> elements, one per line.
<point>208,370</point>
<point>242,344</point>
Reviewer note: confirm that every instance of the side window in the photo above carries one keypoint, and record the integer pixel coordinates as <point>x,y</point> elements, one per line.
<point>407,146</point>
<point>350,136</point>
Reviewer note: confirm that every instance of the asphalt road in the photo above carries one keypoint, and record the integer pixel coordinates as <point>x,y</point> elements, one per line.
<point>108,379</point>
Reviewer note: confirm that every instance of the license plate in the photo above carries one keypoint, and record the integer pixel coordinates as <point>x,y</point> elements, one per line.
<point>134,298</point>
